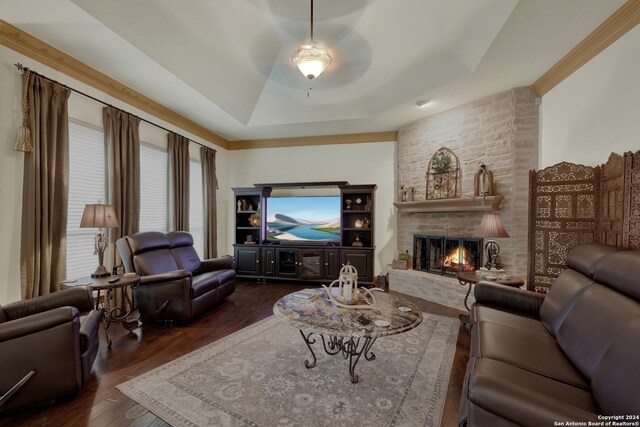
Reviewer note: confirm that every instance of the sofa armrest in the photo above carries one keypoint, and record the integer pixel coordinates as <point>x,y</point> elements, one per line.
<point>221,263</point>
<point>165,277</point>
<point>37,322</point>
<point>167,298</point>
<point>89,329</point>
<point>510,298</point>
<point>79,297</point>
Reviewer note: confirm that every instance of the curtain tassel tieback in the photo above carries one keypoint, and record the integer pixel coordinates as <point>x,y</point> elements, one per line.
<point>23,138</point>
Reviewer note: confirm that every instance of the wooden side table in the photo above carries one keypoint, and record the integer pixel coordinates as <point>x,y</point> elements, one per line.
<point>104,291</point>
<point>469,278</point>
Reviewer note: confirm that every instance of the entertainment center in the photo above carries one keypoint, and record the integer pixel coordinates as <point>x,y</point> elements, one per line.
<point>307,237</point>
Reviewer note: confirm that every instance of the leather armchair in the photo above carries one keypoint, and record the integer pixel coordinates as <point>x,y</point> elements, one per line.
<point>46,347</point>
<point>174,283</point>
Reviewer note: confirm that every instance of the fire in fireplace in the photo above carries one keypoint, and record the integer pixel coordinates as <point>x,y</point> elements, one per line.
<point>446,255</point>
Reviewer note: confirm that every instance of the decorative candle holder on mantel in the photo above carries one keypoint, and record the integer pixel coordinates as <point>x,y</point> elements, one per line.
<point>348,294</point>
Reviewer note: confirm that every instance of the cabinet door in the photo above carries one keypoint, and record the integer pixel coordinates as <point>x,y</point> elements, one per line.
<point>248,260</point>
<point>362,260</point>
<point>331,264</point>
<point>287,262</point>
<point>311,263</point>
<point>268,262</point>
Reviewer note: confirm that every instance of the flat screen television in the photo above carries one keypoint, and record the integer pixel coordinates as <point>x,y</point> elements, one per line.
<point>313,218</point>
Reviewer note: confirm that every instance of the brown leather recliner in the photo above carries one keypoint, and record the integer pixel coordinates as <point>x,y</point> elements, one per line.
<point>174,283</point>
<point>47,336</point>
<point>570,356</point>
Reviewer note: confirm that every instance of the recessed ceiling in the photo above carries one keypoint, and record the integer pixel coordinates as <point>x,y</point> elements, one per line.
<point>226,64</point>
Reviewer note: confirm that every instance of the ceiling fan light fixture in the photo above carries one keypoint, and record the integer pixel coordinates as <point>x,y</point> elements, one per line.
<point>311,59</point>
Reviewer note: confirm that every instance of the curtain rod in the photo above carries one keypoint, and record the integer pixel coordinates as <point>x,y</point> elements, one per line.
<point>21,68</point>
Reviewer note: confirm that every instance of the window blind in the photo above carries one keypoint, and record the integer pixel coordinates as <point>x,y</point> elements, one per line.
<point>86,185</point>
<point>196,217</point>
<point>153,188</point>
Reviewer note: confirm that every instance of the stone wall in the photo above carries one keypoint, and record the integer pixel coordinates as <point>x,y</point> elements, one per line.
<point>501,131</point>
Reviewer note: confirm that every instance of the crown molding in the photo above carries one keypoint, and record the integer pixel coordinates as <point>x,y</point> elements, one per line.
<point>24,43</point>
<point>305,141</point>
<point>614,27</point>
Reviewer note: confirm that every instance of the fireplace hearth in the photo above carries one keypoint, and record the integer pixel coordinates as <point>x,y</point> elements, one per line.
<point>446,255</point>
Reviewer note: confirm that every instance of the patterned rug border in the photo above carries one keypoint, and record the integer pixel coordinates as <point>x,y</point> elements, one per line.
<point>250,332</point>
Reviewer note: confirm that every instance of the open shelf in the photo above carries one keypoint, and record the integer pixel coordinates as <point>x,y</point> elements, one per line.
<point>248,228</point>
<point>356,229</point>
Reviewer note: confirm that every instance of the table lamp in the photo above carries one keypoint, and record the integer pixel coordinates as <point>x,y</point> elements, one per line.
<point>491,226</point>
<point>99,216</point>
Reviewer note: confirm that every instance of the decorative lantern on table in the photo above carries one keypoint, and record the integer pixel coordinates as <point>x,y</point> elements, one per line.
<point>349,295</point>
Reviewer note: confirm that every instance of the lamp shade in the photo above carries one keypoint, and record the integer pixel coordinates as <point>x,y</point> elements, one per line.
<point>311,59</point>
<point>491,226</point>
<point>99,216</point>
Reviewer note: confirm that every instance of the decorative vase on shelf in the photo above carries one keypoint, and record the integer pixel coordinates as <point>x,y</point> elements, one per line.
<point>254,219</point>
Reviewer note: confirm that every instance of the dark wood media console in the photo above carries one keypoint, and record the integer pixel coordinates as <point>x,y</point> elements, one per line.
<point>259,258</point>
<point>315,263</point>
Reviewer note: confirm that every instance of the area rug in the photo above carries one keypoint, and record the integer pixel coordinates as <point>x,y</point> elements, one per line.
<point>257,377</point>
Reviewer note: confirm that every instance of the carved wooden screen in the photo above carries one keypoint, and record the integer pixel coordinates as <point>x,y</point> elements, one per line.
<point>610,220</point>
<point>631,221</point>
<point>563,202</point>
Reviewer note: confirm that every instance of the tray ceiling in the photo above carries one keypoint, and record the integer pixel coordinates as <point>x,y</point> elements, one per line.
<point>227,64</point>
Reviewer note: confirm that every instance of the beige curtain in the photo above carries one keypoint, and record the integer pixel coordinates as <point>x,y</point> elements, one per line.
<point>209,187</point>
<point>178,147</point>
<point>122,145</point>
<point>45,189</point>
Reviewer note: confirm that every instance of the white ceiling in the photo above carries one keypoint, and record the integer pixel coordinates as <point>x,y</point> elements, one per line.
<point>226,64</point>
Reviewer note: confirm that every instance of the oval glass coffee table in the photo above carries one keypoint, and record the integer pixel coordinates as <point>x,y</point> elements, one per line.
<point>350,333</point>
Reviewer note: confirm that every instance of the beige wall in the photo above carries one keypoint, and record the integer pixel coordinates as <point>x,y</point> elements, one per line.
<point>596,110</point>
<point>368,163</point>
<point>11,161</point>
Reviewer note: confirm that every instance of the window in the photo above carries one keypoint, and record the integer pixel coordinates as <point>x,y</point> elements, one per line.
<point>86,185</point>
<point>196,217</point>
<point>153,188</point>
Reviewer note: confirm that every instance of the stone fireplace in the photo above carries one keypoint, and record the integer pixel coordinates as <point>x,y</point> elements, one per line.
<point>500,131</point>
<point>446,255</point>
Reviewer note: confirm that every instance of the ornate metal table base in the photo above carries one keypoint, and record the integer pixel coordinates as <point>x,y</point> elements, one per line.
<point>465,318</point>
<point>104,287</point>
<point>116,314</point>
<point>349,347</point>
<point>470,278</point>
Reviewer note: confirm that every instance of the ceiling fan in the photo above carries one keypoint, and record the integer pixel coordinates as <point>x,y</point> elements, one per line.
<point>312,57</point>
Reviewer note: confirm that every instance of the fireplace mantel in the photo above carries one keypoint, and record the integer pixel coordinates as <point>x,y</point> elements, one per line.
<point>461,204</point>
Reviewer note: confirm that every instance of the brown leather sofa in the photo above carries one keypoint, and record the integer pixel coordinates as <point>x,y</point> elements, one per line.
<point>46,335</point>
<point>573,355</point>
<point>175,284</point>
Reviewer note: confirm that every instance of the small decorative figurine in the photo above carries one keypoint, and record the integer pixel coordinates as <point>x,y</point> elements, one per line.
<point>357,241</point>
<point>239,205</point>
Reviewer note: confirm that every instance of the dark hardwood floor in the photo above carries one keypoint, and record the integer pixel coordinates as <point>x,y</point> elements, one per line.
<point>101,404</point>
